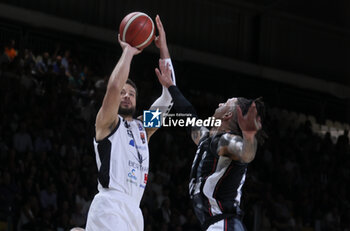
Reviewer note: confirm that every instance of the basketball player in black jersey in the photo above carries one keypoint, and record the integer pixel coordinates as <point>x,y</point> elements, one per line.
<point>220,165</point>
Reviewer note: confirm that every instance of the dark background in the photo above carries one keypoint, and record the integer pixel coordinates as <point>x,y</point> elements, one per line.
<point>293,53</point>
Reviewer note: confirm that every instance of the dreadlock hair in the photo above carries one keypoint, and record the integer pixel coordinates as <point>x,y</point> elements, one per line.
<point>245,104</point>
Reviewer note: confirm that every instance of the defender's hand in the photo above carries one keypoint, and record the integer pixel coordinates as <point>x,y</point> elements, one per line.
<point>160,40</point>
<point>164,74</point>
<point>251,122</point>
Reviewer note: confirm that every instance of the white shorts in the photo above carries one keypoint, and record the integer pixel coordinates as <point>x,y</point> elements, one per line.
<point>111,210</point>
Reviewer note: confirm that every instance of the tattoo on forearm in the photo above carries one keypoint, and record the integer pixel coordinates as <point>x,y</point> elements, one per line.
<point>195,133</point>
<point>203,131</point>
<point>198,132</point>
<point>238,148</point>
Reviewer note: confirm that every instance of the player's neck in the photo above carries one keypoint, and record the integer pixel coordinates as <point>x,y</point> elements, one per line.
<point>222,129</point>
<point>127,117</point>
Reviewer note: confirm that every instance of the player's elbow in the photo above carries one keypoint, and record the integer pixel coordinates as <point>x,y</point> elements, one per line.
<point>247,158</point>
<point>238,156</point>
<point>114,86</point>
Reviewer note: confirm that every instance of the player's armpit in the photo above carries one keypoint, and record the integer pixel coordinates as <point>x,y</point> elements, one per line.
<point>102,132</point>
<point>197,133</point>
<point>149,131</point>
<point>237,148</point>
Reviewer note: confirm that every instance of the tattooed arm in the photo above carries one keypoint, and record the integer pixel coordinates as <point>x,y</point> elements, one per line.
<point>238,148</point>
<point>197,133</point>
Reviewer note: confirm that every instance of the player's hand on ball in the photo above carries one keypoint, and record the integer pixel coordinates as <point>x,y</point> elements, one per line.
<point>164,74</point>
<point>251,122</point>
<point>125,45</point>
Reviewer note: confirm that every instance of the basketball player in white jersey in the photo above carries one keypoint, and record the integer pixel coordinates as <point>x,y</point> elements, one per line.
<point>121,147</point>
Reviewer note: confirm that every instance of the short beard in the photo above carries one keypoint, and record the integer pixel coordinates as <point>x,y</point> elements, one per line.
<point>126,111</point>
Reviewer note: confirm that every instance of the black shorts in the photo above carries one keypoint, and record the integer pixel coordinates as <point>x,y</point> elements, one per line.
<point>228,224</point>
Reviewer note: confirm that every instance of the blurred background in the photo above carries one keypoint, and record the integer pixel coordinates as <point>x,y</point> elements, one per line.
<point>56,58</point>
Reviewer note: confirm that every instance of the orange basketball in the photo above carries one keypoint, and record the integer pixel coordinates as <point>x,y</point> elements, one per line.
<point>137,29</point>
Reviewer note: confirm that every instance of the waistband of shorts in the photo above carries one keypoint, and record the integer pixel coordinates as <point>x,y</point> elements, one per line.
<point>211,220</point>
<point>120,196</point>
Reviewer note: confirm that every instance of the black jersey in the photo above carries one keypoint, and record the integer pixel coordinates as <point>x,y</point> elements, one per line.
<point>215,183</point>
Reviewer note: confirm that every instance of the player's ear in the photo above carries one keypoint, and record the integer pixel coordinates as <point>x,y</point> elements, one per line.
<point>228,115</point>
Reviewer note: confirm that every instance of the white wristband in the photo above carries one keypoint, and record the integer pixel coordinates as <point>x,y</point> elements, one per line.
<point>165,102</point>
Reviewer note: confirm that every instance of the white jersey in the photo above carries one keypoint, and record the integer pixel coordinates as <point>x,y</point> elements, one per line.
<point>123,159</point>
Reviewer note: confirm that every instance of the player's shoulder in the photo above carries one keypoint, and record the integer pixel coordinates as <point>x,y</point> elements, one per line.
<point>139,123</point>
<point>224,139</point>
<point>138,120</point>
<point>203,137</point>
<point>231,136</point>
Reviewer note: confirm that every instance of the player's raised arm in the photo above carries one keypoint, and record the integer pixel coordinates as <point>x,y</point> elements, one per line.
<point>160,40</point>
<point>164,102</point>
<point>181,104</point>
<point>107,117</point>
<point>239,148</point>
